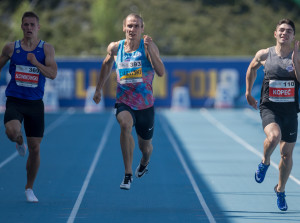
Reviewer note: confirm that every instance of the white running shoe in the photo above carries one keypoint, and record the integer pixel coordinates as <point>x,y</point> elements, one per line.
<point>141,170</point>
<point>126,182</point>
<point>30,196</point>
<point>21,149</point>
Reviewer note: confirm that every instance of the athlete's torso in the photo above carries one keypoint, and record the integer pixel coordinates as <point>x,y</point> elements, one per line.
<point>134,75</point>
<point>26,80</point>
<point>280,86</point>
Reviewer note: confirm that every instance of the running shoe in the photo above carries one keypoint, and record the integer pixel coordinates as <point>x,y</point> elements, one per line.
<point>21,149</point>
<point>141,170</point>
<point>30,196</point>
<point>126,182</point>
<point>281,203</point>
<point>261,172</point>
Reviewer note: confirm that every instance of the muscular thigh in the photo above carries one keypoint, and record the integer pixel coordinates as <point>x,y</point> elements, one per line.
<point>288,123</point>
<point>123,113</point>
<point>34,122</point>
<point>145,123</point>
<point>289,128</point>
<point>12,112</point>
<point>31,112</point>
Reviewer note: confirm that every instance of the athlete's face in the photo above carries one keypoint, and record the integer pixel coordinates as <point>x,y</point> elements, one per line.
<point>133,28</point>
<point>284,33</point>
<point>30,27</point>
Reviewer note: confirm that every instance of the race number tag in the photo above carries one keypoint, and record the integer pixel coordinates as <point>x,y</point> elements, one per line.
<point>26,76</point>
<point>130,72</point>
<point>282,91</point>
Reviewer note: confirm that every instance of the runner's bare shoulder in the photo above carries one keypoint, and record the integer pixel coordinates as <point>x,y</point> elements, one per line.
<point>113,48</point>
<point>261,55</point>
<point>8,49</point>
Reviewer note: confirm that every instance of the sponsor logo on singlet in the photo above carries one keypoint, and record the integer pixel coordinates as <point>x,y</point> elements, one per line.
<point>27,76</point>
<point>289,68</point>
<point>135,54</point>
<point>282,91</point>
<point>130,72</point>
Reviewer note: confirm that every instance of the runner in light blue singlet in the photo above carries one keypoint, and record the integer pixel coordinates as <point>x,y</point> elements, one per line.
<point>134,75</point>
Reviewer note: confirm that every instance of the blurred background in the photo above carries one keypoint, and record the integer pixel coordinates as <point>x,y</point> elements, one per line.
<point>206,46</point>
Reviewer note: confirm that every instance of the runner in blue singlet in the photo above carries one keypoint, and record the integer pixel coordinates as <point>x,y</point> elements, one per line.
<point>31,62</point>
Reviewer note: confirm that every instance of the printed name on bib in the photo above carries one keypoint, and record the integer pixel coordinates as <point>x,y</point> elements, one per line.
<point>130,72</point>
<point>26,76</point>
<point>282,91</point>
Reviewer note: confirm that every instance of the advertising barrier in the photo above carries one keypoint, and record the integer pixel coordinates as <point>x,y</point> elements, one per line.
<point>208,82</point>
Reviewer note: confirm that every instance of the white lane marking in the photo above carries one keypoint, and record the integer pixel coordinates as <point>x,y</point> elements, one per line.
<point>188,172</point>
<point>91,170</point>
<point>52,126</point>
<point>239,140</point>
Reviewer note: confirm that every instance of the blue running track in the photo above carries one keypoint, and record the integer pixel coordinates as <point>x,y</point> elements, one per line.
<point>202,170</point>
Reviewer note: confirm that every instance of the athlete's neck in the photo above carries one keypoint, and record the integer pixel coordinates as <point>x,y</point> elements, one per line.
<point>283,50</point>
<point>131,45</point>
<point>29,44</point>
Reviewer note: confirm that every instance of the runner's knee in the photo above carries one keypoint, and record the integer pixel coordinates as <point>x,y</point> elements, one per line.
<point>34,149</point>
<point>125,126</point>
<point>274,137</point>
<point>145,145</point>
<point>12,133</point>
<point>286,154</point>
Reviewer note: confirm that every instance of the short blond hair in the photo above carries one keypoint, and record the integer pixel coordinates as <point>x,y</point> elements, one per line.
<point>135,16</point>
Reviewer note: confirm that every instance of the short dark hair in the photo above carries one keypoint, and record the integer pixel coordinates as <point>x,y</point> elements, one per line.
<point>30,14</point>
<point>135,16</point>
<point>287,21</point>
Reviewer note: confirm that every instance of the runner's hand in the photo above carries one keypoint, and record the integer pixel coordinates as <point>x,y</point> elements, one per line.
<point>147,40</point>
<point>97,96</point>
<point>295,53</point>
<point>31,58</point>
<point>251,101</point>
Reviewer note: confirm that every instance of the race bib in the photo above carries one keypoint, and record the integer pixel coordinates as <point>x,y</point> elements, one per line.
<point>130,72</point>
<point>26,76</point>
<point>282,91</point>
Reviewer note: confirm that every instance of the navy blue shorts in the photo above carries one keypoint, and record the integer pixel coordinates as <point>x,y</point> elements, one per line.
<point>143,120</point>
<point>288,123</point>
<point>31,112</point>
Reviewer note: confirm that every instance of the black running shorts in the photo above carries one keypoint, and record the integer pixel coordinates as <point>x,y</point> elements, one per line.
<point>32,112</point>
<point>288,123</point>
<point>143,120</point>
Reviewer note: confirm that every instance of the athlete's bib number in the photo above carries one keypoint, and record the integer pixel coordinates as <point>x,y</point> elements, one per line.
<point>282,91</point>
<point>130,72</point>
<point>26,76</point>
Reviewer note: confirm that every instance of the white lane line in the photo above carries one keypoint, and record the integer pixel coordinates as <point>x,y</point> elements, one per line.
<point>91,170</point>
<point>8,159</point>
<point>58,121</point>
<point>188,172</point>
<point>52,126</point>
<point>239,140</point>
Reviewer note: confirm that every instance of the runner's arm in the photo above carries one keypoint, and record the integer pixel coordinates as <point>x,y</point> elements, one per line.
<point>6,54</point>
<point>251,74</point>
<point>106,69</point>
<point>154,57</point>
<point>296,60</point>
<point>49,70</point>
